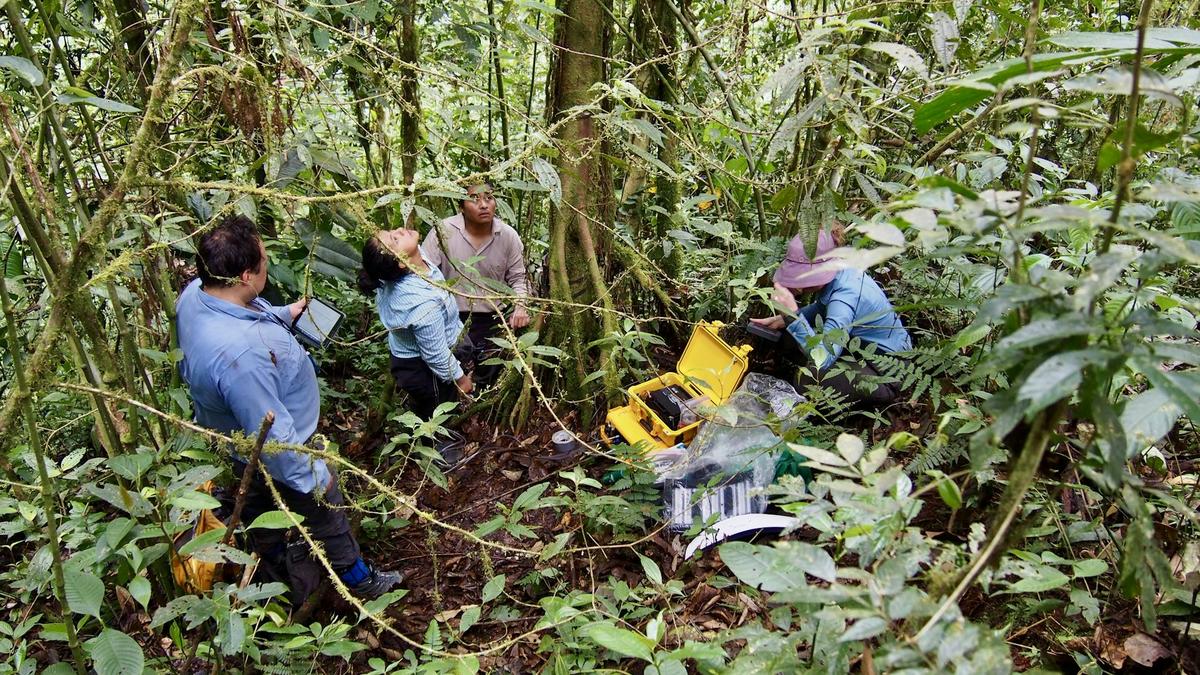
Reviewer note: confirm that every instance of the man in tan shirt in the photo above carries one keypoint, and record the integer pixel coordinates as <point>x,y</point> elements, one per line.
<point>480,255</point>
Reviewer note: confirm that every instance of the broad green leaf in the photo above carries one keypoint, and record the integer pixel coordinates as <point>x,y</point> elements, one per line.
<point>778,568</point>
<point>1045,578</point>
<point>1183,352</point>
<point>1092,567</point>
<point>980,85</point>
<point>130,501</point>
<point>85,592</point>
<point>172,610</point>
<point>818,455</point>
<point>207,539</point>
<point>24,68</point>
<point>193,478</point>
<point>1041,331</point>
<point>850,447</point>
<point>864,629</point>
<point>624,642</point>
<point>329,160</point>
<point>1084,604</point>
<point>469,617</point>
<point>115,653</point>
<point>101,103</point>
<point>139,588</point>
<point>131,466</point>
<point>334,256</point>
<point>653,573</point>
<point>958,639</point>
<point>529,497</point>
<point>972,334</point>
<point>701,651</point>
<point>666,667</point>
<point>1148,417</point>
<point>195,501</point>
<point>233,633</point>
<point>1187,399</point>
<point>1180,36</point>
<point>884,233</point>
<point>943,32</point>
<point>906,57</point>
<point>490,526</point>
<point>295,161</point>
<point>1056,377</point>
<point>274,520</point>
<point>755,566</point>
<point>375,607</point>
<point>1101,274</point>
<point>343,648</point>
<point>1124,40</point>
<point>389,198</point>
<point>1119,82</point>
<point>949,492</point>
<point>548,178</point>
<point>256,592</point>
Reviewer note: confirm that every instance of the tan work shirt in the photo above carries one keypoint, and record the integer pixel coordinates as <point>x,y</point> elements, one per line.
<point>500,259</point>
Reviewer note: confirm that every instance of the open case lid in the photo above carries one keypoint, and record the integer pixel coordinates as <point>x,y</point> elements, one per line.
<point>710,364</point>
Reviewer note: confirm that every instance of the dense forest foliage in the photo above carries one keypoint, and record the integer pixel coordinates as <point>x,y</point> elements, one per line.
<point>1023,178</point>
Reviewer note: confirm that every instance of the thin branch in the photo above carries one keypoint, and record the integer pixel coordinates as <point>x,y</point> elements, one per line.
<point>1127,164</point>
<point>248,476</point>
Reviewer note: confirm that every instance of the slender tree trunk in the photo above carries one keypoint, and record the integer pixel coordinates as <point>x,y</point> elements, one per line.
<point>498,73</point>
<point>656,30</point>
<point>410,98</point>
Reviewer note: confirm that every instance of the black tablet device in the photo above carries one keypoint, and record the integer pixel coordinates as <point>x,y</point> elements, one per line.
<point>768,334</point>
<point>317,323</point>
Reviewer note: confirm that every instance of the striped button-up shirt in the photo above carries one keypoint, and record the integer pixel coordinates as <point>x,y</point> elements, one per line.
<point>422,320</point>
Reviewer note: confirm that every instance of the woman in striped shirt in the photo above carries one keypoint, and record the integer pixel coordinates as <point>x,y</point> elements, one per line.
<point>421,318</point>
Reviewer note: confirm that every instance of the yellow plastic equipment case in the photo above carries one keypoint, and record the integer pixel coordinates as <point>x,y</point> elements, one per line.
<point>708,367</point>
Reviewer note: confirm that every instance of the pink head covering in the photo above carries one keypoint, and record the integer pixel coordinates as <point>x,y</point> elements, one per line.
<point>798,271</point>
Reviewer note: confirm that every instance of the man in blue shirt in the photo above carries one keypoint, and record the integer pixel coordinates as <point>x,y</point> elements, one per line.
<point>850,305</point>
<point>241,361</point>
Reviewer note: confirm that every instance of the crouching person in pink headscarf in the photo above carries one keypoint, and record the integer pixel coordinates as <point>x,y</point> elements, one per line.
<point>844,304</point>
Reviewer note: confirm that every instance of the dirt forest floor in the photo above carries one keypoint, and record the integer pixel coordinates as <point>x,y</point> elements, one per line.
<point>445,571</point>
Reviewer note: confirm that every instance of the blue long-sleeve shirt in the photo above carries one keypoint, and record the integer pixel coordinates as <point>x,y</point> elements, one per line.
<point>854,304</point>
<point>240,363</point>
<point>422,321</point>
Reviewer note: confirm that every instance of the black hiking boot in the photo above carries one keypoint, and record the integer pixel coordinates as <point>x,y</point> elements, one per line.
<point>377,584</point>
<point>450,447</point>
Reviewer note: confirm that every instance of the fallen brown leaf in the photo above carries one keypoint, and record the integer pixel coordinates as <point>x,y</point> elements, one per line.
<point>1145,650</point>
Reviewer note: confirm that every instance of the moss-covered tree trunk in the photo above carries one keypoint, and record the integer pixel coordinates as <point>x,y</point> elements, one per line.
<point>410,98</point>
<point>581,312</point>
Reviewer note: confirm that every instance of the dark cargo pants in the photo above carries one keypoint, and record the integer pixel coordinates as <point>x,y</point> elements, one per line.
<point>286,556</point>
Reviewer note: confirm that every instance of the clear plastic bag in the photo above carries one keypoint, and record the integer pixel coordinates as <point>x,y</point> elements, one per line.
<point>732,455</point>
<point>692,410</point>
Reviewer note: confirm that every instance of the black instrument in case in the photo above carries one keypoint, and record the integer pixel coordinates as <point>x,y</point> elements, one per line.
<point>668,402</point>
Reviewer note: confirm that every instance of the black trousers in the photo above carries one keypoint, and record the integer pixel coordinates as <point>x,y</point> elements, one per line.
<point>286,554</point>
<point>425,390</point>
<point>481,326</point>
<point>852,377</point>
